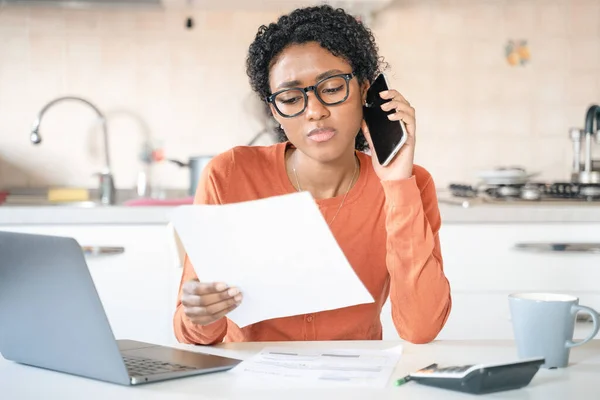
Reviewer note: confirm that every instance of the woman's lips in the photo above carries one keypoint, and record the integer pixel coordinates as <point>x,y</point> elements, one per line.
<point>321,135</point>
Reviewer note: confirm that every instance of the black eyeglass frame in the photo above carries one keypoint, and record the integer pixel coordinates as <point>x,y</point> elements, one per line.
<point>347,77</point>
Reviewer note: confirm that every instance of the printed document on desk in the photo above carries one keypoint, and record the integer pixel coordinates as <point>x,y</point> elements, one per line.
<point>295,367</point>
<point>279,251</point>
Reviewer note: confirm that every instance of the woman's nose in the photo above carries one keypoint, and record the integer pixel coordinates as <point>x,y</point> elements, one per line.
<point>315,110</point>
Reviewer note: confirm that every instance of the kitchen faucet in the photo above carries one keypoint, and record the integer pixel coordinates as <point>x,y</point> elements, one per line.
<point>588,174</point>
<point>592,114</point>
<point>107,188</point>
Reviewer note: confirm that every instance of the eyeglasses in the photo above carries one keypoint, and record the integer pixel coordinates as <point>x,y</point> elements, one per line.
<point>329,91</point>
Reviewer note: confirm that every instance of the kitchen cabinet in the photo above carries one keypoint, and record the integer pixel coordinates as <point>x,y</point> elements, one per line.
<point>484,265</point>
<point>138,287</point>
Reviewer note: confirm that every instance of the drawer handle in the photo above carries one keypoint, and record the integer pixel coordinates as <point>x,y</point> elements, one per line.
<point>583,318</point>
<point>579,319</point>
<point>560,247</point>
<point>96,251</point>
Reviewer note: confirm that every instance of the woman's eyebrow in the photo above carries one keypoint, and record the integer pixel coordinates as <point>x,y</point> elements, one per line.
<point>296,83</point>
<point>328,73</point>
<point>288,84</point>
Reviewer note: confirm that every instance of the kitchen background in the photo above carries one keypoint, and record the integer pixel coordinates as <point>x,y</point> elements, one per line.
<point>186,87</point>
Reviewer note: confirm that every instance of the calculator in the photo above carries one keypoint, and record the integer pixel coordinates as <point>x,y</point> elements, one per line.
<point>479,378</point>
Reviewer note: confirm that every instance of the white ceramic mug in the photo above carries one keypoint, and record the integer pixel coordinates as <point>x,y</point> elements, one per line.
<point>543,325</point>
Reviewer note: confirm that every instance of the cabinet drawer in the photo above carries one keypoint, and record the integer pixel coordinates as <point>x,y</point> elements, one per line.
<point>485,257</point>
<point>135,240</point>
<point>134,285</point>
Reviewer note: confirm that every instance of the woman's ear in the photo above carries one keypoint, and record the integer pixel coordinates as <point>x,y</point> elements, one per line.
<point>275,114</point>
<point>364,87</point>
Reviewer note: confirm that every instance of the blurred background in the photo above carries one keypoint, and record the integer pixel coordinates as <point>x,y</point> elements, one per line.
<point>495,83</point>
<point>505,94</point>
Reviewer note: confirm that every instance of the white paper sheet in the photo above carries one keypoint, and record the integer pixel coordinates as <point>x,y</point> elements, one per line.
<point>290,366</point>
<point>279,251</point>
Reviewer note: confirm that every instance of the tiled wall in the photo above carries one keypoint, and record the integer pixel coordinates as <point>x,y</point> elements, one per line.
<point>189,86</point>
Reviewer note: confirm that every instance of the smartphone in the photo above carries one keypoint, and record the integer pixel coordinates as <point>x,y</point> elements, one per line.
<point>387,136</point>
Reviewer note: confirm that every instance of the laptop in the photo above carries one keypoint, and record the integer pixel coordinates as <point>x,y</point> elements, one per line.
<point>51,317</point>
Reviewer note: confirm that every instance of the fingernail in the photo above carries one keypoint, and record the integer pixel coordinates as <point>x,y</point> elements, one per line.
<point>232,292</point>
<point>220,286</point>
<point>238,298</point>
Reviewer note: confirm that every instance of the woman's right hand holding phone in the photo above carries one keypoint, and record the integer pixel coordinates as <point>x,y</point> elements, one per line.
<point>205,303</point>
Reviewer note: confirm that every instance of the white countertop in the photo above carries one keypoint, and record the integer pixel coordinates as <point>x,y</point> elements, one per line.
<point>522,213</point>
<point>477,213</point>
<point>487,210</point>
<point>63,215</point>
<point>578,381</point>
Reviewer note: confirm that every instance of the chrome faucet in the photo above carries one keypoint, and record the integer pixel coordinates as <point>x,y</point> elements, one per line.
<point>587,174</point>
<point>592,114</point>
<point>107,187</point>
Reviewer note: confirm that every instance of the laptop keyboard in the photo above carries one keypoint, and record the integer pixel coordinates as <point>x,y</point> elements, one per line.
<point>137,366</point>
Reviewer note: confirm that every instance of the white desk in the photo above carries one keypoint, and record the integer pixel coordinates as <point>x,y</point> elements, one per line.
<point>581,380</point>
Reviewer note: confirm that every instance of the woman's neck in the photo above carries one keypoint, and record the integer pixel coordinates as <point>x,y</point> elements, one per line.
<point>322,180</point>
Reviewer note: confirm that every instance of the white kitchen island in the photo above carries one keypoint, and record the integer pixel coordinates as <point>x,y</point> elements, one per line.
<point>578,381</point>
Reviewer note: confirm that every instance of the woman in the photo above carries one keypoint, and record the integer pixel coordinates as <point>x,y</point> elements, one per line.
<point>386,219</point>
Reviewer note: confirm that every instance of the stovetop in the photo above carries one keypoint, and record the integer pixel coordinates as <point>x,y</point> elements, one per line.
<point>529,192</point>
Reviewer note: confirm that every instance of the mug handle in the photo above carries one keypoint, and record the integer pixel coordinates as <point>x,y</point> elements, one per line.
<point>595,319</point>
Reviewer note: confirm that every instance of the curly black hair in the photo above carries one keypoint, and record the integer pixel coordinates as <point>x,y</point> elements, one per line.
<point>334,29</point>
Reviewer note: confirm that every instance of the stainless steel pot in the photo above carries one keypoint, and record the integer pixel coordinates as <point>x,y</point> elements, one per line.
<point>196,165</point>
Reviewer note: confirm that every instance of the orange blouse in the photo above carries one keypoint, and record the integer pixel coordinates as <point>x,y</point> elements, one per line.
<point>388,231</point>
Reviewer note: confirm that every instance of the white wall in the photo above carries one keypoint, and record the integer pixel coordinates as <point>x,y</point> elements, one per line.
<point>447,57</point>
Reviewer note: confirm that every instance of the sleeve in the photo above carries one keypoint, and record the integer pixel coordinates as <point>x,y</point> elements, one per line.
<point>419,291</point>
<point>210,190</point>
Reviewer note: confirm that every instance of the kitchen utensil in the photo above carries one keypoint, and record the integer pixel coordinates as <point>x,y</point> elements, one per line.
<point>505,176</point>
<point>196,165</point>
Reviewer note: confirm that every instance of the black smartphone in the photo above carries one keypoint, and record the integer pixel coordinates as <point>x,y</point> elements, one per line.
<point>387,136</point>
